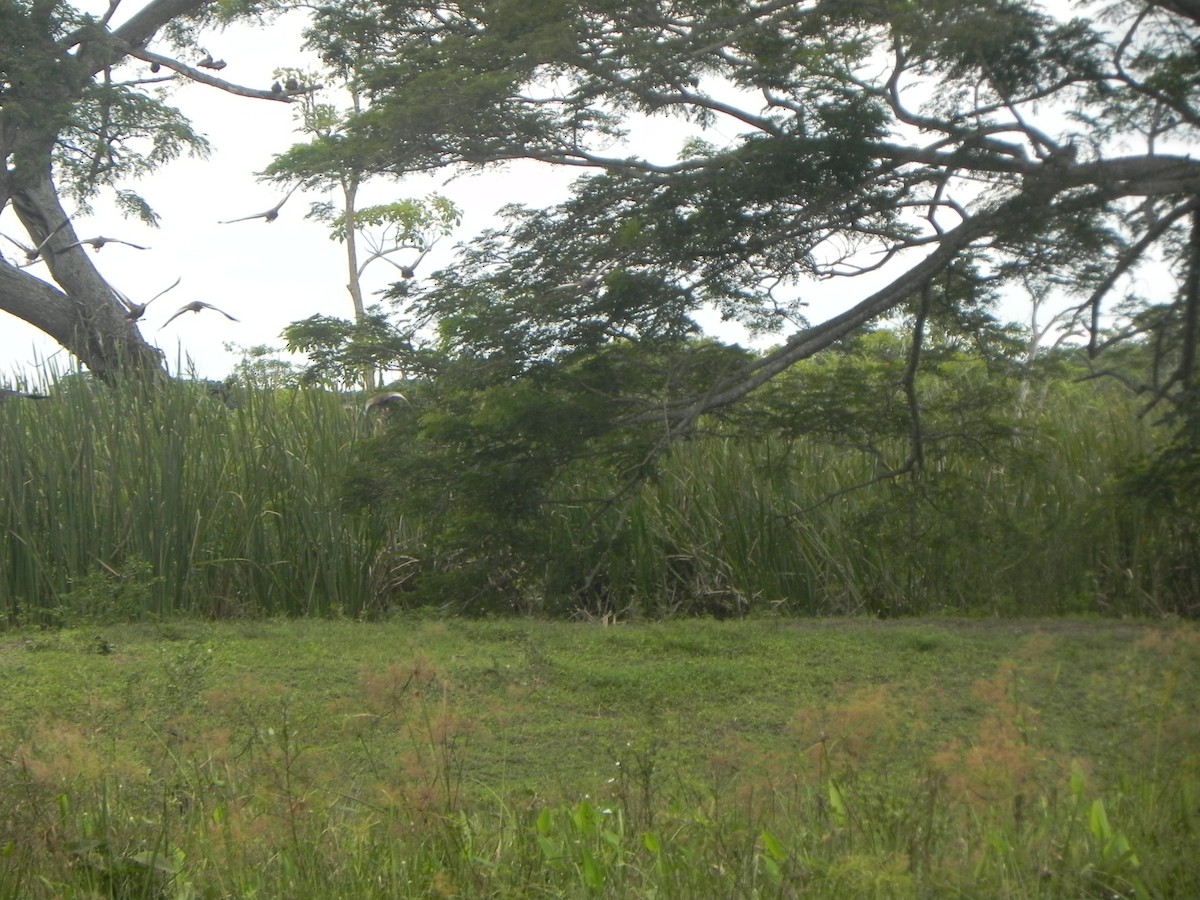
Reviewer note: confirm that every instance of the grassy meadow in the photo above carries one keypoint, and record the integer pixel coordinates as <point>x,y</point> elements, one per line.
<point>525,758</point>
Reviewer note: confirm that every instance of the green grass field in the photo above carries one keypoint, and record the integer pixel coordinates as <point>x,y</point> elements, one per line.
<point>520,758</point>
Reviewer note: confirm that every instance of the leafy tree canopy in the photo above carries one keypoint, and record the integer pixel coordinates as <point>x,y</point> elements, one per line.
<point>836,138</point>
<point>931,156</point>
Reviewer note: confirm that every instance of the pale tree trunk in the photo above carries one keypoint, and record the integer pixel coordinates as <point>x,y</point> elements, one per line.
<point>354,285</point>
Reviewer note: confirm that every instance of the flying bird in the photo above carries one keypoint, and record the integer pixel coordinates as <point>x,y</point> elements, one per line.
<point>97,242</point>
<point>587,282</point>
<point>269,216</point>
<point>32,254</point>
<point>411,271</point>
<point>195,306</point>
<point>134,311</point>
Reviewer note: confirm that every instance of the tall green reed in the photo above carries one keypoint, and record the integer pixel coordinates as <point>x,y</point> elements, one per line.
<point>1036,522</point>
<point>135,500</point>
<point>215,508</point>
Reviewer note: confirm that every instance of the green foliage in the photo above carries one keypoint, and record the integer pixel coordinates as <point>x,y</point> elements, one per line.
<point>117,133</point>
<point>106,596</point>
<point>826,175</point>
<point>416,223</point>
<point>487,492</point>
<point>823,495</point>
<point>482,458</point>
<point>338,350</point>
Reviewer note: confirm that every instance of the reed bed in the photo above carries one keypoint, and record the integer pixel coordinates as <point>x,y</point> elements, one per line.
<point>1038,522</point>
<point>131,501</point>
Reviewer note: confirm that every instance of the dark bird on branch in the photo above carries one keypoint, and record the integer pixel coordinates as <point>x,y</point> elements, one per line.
<point>269,216</point>
<point>134,311</point>
<point>209,63</point>
<point>276,88</point>
<point>292,84</point>
<point>5,393</point>
<point>97,242</point>
<point>195,306</point>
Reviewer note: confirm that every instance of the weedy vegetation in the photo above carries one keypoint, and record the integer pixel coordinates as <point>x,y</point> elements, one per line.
<point>222,679</point>
<point>759,758</point>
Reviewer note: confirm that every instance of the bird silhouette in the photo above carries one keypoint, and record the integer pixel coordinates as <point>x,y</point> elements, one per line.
<point>97,242</point>
<point>410,271</point>
<point>32,254</point>
<point>587,282</point>
<point>196,306</point>
<point>209,63</point>
<point>269,216</point>
<point>292,85</point>
<point>5,393</point>
<point>134,311</point>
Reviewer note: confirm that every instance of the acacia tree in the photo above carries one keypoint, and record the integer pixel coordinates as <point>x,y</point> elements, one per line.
<point>874,137</point>
<point>950,149</point>
<point>81,111</point>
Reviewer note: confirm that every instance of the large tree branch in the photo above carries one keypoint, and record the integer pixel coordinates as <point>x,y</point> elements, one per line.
<point>204,78</point>
<point>1189,9</point>
<point>85,316</point>
<point>1133,176</point>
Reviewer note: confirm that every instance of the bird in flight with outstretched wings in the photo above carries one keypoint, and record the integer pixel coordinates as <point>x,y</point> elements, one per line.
<point>97,242</point>
<point>269,216</point>
<point>134,311</point>
<point>195,306</point>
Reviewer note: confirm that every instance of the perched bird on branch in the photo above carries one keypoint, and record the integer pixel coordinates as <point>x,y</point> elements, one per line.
<point>209,63</point>
<point>97,242</point>
<point>269,216</point>
<point>195,306</point>
<point>6,393</point>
